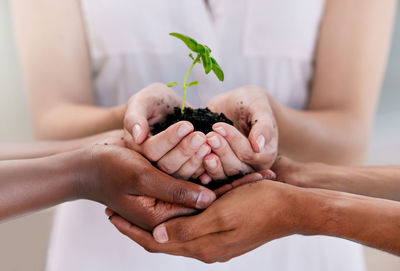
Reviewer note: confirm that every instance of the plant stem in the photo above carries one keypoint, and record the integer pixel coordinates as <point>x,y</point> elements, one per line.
<point>184,83</point>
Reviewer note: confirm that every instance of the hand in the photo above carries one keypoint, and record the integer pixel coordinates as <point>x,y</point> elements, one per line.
<point>252,144</point>
<point>126,182</point>
<point>241,220</point>
<point>178,150</point>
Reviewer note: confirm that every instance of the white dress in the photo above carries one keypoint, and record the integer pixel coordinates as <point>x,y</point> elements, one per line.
<point>268,43</point>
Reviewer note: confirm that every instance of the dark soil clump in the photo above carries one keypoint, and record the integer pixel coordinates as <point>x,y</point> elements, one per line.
<point>202,119</point>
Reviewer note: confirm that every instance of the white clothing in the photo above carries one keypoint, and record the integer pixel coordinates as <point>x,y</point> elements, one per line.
<point>261,42</point>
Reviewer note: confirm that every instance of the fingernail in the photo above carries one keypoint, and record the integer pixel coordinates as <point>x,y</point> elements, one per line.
<point>211,163</point>
<point>160,234</point>
<point>136,131</point>
<point>197,141</point>
<point>204,200</point>
<point>260,142</point>
<point>220,130</point>
<point>214,142</point>
<point>184,129</point>
<point>202,152</point>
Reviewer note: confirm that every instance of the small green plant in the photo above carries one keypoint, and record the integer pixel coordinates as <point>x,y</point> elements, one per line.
<point>203,55</point>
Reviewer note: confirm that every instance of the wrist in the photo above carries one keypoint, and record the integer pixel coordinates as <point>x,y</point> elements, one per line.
<point>117,115</point>
<point>81,163</point>
<point>328,177</point>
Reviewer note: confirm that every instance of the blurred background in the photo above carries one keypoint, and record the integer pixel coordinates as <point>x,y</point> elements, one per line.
<point>23,242</point>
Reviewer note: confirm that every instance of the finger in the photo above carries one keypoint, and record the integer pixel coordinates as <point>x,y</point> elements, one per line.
<point>263,128</point>
<point>231,164</point>
<point>184,229</point>
<point>157,146</point>
<point>205,179</point>
<point>213,166</point>
<point>253,177</point>
<point>109,212</point>
<point>146,240</point>
<point>237,141</point>
<point>148,106</point>
<point>184,151</point>
<point>142,237</point>
<point>146,212</point>
<point>135,120</point>
<point>199,171</point>
<point>169,189</point>
<point>194,164</point>
<point>242,148</point>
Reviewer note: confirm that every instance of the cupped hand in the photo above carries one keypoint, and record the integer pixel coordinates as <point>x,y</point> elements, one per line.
<point>177,150</point>
<point>252,144</point>
<point>126,182</point>
<point>241,220</point>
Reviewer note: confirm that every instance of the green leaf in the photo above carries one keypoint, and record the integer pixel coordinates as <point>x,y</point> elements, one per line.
<point>217,69</point>
<point>207,64</point>
<point>190,43</point>
<point>200,49</point>
<point>191,84</point>
<point>191,56</point>
<point>172,84</point>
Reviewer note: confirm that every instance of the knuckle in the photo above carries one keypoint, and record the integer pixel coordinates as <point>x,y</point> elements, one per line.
<point>150,153</point>
<point>208,260</point>
<point>203,255</point>
<point>185,150</point>
<point>246,156</point>
<point>235,137</point>
<point>150,249</point>
<point>167,168</point>
<point>179,194</point>
<point>223,220</point>
<point>171,137</point>
<point>232,171</point>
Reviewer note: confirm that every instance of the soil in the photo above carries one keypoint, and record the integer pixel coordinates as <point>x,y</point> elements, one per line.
<point>202,119</point>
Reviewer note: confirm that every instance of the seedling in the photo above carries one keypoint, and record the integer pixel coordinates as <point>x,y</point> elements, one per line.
<point>203,56</point>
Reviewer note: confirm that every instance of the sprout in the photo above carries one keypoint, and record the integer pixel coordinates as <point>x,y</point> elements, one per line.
<point>203,56</point>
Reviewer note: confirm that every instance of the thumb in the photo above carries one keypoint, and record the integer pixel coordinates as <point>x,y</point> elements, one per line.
<point>136,121</point>
<point>263,135</point>
<point>184,229</point>
<point>167,188</point>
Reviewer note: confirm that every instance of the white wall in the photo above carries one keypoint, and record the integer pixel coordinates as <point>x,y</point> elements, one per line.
<point>23,241</point>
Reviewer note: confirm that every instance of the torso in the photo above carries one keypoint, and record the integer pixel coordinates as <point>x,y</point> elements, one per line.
<point>261,42</point>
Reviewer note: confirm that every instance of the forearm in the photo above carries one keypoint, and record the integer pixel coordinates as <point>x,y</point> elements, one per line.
<point>29,150</point>
<point>74,120</point>
<point>378,181</point>
<point>325,136</point>
<point>369,221</point>
<point>29,185</point>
